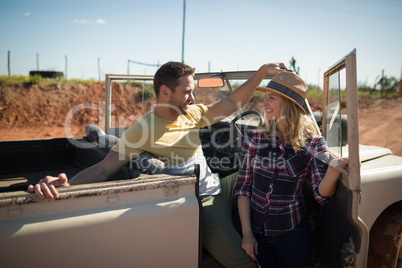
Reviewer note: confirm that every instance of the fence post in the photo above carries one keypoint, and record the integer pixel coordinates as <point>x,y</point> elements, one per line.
<point>99,73</point>
<point>8,63</point>
<point>65,66</point>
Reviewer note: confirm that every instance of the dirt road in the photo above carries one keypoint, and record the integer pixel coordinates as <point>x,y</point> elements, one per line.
<point>380,123</point>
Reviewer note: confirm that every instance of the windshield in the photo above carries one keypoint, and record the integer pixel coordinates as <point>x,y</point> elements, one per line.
<point>207,96</point>
<point>333,113</point>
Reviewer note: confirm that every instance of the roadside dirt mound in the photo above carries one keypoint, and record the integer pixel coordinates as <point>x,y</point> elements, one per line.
<point>41,111</point>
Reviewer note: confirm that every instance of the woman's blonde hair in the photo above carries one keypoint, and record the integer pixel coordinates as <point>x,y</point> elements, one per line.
<point>297,127</point>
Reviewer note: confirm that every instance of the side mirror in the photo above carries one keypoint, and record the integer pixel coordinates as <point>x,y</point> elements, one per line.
<point>210,82</point>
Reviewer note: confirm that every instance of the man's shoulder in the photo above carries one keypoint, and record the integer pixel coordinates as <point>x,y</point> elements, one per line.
<point>199,107</point>
<point>199,114</point>
<point>144,119</point>
<point>143,122</point>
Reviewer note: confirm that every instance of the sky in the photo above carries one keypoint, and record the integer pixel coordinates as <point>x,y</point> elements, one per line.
<point>94,38</point>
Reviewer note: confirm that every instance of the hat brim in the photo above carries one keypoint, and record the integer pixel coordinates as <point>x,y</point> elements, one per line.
<point>264,89</point>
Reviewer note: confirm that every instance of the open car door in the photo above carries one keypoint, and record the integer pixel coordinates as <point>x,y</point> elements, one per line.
<point>345,235</point>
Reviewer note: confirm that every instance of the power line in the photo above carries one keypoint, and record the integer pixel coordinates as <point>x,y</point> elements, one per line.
<point>140,63</point>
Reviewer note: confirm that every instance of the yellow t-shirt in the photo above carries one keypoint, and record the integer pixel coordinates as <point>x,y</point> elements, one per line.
<point>176,143</point>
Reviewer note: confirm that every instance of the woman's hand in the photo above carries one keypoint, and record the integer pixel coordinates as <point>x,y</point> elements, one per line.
<point>340,165</point>
<point>336,166</point>
<point>46,187</point>
<point>250,245</point>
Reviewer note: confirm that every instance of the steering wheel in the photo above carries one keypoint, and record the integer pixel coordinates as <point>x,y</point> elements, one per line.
<point>229,149</point>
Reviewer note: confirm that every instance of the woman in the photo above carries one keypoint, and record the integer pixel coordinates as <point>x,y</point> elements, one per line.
<point>276,159</point>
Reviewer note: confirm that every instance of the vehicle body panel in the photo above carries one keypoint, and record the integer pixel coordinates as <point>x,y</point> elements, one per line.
<point>151,221</point>
<point>381,186</point>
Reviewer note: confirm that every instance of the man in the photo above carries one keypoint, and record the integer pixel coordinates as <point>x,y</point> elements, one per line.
<point>170,133</point>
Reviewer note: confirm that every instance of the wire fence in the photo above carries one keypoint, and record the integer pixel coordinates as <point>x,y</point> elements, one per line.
<point>71,67</point>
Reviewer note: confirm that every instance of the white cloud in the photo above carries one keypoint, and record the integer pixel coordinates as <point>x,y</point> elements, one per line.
<point>101,21</point>
<point>82,21</point>
<point>26,14</point>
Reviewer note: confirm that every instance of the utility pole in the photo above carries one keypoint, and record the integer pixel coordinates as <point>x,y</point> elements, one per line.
<point>400,85</point>
<point>382,83</point>
<point>184,23</point>
<point>37,61</point>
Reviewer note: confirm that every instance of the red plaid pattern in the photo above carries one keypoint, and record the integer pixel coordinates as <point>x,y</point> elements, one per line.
<point>272,174</point>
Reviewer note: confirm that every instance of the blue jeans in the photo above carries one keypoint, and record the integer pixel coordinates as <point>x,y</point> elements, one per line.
<point>292,249</point>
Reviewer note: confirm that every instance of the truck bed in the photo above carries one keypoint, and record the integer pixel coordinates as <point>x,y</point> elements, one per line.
<point>26,162</point>
<point>150,221</point>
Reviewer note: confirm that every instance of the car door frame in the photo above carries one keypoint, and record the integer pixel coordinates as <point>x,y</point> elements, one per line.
<point>350,245</point>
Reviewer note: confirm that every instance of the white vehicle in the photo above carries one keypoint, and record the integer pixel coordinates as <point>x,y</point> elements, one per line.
<point>140,220</point>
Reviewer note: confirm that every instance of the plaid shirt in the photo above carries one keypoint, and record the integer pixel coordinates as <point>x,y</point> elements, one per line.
<point>272,174</point>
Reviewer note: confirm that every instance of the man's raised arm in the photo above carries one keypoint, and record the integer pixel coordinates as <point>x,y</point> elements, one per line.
<point>223,108</point>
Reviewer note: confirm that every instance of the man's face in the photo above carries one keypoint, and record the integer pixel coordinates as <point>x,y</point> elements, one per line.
<point>182,95</point>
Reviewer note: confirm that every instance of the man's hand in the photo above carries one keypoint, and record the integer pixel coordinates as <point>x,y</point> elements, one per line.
<point>46,187</point>
<point>274,68</point>
<point>238,98</point>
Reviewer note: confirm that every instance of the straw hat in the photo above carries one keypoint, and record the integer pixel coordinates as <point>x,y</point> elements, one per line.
<point>289,85</point>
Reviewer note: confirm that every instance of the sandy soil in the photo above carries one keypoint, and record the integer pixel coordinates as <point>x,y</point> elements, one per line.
<point>40,111</point>
<point>380,123</point>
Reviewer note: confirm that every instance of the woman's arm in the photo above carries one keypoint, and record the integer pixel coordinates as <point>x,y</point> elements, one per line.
<point>249,244</point>
<point>328,184</point>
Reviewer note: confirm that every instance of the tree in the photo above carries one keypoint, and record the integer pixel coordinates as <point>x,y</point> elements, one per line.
<point>387,85</point>
<point>293,67</point>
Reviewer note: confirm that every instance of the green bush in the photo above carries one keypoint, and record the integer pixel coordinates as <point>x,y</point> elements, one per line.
<point>35,79</point>
<point>6,80</point>
<point>148,91</point>
<point>314,91</point>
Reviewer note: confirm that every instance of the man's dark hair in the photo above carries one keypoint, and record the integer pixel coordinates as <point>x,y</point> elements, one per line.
<point>169,73</point>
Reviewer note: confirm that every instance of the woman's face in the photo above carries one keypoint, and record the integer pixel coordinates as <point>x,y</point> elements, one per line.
<point>272,104</point>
